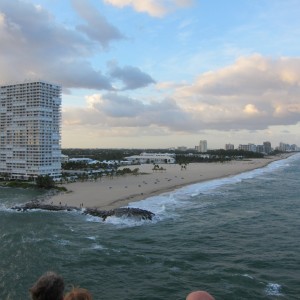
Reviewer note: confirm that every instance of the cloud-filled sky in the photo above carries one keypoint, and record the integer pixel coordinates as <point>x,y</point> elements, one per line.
<point>161,73</point>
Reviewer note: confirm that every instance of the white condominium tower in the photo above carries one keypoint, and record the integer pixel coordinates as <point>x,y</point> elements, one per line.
<point>203,146</point>
<point>30,119</point>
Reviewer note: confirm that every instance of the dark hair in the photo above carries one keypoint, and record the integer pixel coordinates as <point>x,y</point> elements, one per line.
<point>49,286</point>
<point>78,294</point>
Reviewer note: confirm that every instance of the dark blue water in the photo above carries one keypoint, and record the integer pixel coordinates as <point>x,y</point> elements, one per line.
<point>237,238</point>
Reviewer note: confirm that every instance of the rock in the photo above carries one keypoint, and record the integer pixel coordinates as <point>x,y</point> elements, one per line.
<point>129,212</point>
<point>121,212</point>
<point>38,205</point>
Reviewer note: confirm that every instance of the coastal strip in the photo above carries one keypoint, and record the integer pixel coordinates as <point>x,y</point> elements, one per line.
<point>113,192</point>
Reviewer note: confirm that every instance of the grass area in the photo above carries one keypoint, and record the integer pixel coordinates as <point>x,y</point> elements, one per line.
<point>26,185</point>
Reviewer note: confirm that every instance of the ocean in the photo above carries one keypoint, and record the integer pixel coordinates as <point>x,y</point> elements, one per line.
<point>236,237</point>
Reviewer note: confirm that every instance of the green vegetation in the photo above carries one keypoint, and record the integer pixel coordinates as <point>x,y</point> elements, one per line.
<point>45,182</point>
<point>101,154</point>
<point>220,155</point>
<point>18,184</point>
<point>158,168</point>
<point>128,171</point>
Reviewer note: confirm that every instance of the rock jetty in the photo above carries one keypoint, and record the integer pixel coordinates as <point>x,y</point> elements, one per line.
<point>128,212</point>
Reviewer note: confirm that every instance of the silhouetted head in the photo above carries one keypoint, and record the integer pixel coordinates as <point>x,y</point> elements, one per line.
<point>79,294</point>
<point>49,286</point>
<point>199,295</point>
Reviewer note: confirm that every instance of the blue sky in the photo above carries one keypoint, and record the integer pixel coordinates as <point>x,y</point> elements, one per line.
<point>161,73</point>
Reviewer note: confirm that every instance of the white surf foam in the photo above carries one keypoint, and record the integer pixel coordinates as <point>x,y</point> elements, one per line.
<point>97,247</point>
<point>273,289</point>
<point>128,222</point>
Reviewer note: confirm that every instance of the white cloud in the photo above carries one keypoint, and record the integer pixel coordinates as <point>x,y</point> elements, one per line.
<point>155,8</point>
<point>34,45</point>
<point>250,94</point>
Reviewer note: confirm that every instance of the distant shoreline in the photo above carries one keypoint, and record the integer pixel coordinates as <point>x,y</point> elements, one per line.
<point>110,193</point>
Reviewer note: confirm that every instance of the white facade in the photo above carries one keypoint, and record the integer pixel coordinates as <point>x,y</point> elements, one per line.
<point>249,147</point>
<point>203,146</point>
<point>30,120</point>
<point>150,158</point>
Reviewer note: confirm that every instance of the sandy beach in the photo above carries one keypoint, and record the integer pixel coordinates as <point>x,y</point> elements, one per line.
<point>109,193</point>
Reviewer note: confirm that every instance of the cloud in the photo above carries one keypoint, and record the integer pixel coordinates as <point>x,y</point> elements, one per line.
<point>131,77</point>
<point>114,110</point>
<point>155,8</point>
<point>35,46</point>
<point>97,28</point>
<point>254,75</point>
<point>254,93</point>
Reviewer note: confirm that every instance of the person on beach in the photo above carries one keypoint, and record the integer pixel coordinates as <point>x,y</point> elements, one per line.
<point>49,286</point>
<point>199,295</point>
<point>78,294</point>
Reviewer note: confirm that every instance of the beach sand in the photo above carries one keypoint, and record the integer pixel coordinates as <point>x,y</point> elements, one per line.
<point>108,193</point>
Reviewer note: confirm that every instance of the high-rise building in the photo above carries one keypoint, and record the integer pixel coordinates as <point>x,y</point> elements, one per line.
<point>229,147</point>
<point>267,147</point>
<point>203,146</point>
<point>249,147</point>
<point>30,121</point>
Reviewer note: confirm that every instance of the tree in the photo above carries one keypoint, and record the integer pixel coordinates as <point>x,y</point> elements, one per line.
<point>45,182</point>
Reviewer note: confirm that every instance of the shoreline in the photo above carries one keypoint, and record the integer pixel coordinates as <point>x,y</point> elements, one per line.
<point>119,191</point>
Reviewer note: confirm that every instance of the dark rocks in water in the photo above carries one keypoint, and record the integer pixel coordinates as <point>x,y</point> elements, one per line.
<point>121,212</point>
<point>129,212</point>
<point>38,205</point>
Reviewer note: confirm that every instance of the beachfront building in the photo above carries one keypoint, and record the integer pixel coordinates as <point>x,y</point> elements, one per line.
<point>152,158</point>
<point>203,146</point>
<point>30,120</point>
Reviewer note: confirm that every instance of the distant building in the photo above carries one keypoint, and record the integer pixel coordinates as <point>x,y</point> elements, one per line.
<point>287,148</point>
<point>152,158</point>
<point>267,147</point>
<point>203,146</point>
<point>294,147</point>
<point>181,148</point>
<point>64,158</point>
<point>248,147</point>
<point>284,147</point>
<point>229,147</point>
<point>30,121</point>
<point>260,149</point>
<point>81,160</point>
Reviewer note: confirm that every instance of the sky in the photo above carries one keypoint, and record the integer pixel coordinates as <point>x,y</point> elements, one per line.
<point>161,73</point>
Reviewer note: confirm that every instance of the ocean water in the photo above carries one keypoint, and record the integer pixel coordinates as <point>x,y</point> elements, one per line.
<point>236,237</point>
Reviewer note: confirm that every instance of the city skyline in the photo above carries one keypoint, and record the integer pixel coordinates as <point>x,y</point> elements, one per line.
<point>158,73</point>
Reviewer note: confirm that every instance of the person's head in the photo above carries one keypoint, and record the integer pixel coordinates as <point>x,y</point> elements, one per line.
<point>199,295</point>
<point>49,286</point>
<point>78,294</point>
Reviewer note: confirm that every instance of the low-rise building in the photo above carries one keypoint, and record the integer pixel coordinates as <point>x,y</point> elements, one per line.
<point>152,158</point>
